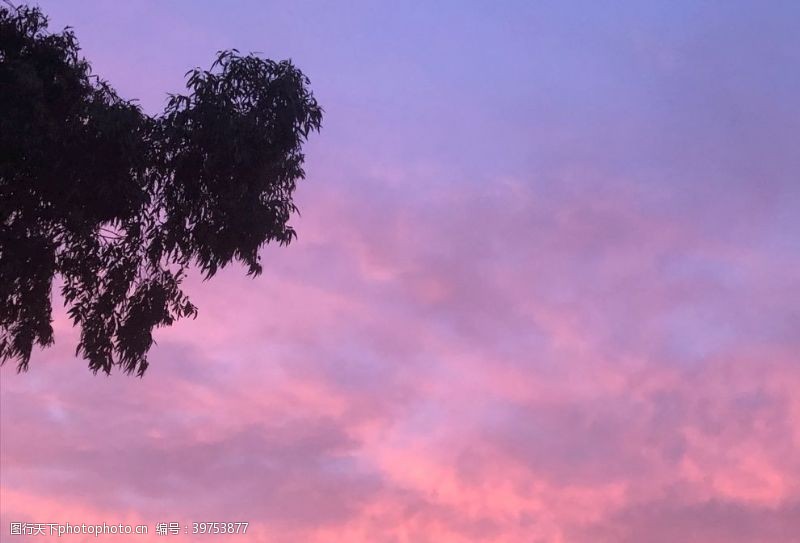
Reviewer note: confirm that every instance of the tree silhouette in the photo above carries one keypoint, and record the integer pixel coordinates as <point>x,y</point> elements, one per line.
<point>120,205</point>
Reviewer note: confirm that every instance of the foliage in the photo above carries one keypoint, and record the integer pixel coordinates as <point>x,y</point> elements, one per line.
<point>120,205</point>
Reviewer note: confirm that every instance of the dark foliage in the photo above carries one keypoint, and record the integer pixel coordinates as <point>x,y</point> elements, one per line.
<point>120,205</point>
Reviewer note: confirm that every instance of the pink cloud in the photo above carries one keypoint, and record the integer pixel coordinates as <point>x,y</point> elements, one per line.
<point>481,366</point>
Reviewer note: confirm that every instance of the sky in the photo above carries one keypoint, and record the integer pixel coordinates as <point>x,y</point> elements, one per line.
<point>546,288</point>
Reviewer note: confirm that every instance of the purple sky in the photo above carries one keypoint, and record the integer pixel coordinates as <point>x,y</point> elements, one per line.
<point>546,287</point>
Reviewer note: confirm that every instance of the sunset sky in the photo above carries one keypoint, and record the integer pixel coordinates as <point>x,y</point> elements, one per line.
<point>546,288</point>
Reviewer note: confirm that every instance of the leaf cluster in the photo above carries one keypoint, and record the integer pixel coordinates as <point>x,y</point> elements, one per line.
<point>120,205</point>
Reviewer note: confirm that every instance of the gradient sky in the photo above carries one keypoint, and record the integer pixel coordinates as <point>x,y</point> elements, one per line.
<point>546,288</point>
